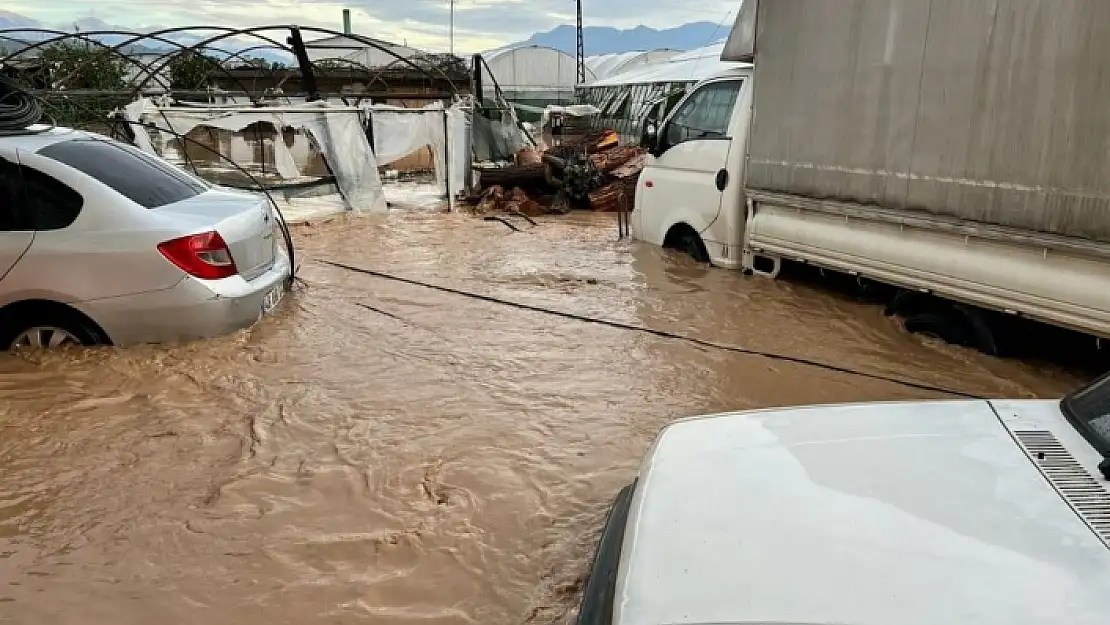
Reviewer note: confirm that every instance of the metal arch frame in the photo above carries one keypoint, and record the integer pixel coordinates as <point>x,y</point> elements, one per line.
<point>257,30</point>
<point>157,66</point>
<point>380,48</point>
<point>225,33</point>
<point>409,61</point>
<point>87,37</point>
<point>352,64</point>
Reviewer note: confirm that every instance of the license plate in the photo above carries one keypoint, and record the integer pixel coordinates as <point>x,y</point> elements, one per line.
<point>272,298</point>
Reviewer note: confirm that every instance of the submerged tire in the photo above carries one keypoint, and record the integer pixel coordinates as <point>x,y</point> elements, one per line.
<point>47,326</point>
<point>955,324</point>
<point>686,240</point>
<point>947,328</point>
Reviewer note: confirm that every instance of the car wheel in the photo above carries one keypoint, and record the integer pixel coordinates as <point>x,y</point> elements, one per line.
<point>47,328</point>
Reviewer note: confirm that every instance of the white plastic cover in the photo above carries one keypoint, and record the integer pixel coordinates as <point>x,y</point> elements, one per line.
<point>531,67</point>
<point>688,67</point>
<point>606,65</point>
<point>336,130</point>
<point>399,132</point>
<point>458,149</point>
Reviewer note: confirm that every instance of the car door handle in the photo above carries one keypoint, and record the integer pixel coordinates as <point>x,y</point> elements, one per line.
<point>722,179</point>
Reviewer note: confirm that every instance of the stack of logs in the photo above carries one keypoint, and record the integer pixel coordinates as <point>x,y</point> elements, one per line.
<point>591,171</point>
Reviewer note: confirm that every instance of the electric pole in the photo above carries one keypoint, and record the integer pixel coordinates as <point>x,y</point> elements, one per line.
<point>452,27</point>
<point>581,56</point>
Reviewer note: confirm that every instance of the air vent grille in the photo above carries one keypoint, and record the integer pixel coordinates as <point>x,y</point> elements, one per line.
<point>1075,483</point>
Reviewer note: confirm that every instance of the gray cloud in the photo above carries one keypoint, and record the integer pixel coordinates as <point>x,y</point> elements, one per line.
<point>479,24</point>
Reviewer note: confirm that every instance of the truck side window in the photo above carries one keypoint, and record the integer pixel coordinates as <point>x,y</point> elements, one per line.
<point>705,115</point>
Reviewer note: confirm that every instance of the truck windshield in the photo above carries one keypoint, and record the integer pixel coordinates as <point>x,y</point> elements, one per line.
<point>1088,409</point>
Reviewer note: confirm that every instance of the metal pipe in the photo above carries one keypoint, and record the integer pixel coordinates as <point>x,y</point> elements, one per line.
<point>346,21</point>
<point>447,163</point>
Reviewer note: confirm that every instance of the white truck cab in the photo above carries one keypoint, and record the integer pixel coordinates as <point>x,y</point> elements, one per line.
<point>919,513</point>
<point>970,204</point>
<point>689,195</point>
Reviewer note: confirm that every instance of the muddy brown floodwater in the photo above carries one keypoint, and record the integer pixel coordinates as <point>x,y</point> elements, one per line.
<point>382,453</point>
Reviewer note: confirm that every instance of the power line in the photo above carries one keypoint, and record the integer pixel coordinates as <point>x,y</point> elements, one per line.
<point>658,333</point>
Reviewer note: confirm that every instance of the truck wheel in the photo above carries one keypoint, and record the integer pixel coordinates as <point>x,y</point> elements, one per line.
<point>684,238</point>
<point>692,245</point>
<point>947,328</point>
<point>955,324</point>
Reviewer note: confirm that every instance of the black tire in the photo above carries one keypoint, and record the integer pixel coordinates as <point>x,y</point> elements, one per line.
<point>909,303</point>
<point>981,334</point>
<point>946,327</point>
<point>691,244</point>
<point>953,323</point>
<point>18,319</point>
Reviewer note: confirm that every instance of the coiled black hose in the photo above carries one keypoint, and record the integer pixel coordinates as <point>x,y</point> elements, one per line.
<point>18,109</point>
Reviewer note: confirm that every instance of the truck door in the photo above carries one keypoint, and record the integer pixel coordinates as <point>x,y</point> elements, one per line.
<point>685,182</point>
<point>15,238</point>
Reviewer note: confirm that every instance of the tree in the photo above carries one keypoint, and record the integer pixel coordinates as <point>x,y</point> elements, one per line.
<point>190,70</point>
<point>77,66</point>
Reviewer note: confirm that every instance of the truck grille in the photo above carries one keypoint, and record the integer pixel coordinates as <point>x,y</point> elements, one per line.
<point>1085,494</point>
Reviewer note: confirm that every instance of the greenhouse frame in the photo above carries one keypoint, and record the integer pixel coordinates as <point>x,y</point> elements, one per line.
<point>649,89</point>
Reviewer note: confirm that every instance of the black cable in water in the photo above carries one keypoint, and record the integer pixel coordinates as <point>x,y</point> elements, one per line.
<point>502,220</point>
<point>659,333</point>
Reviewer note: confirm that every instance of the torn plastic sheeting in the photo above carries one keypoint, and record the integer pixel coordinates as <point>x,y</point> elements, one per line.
<point>495,140</point>
<point>133,113</point>
<point>458,148</point>
<point>182,122</point>
<point>338,133</point>
<point>399,132</point>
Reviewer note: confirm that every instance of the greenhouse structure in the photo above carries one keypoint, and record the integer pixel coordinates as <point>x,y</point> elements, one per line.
<point>648,88</point>
<point>531,77</point>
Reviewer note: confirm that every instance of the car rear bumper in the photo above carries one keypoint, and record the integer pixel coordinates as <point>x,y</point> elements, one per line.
<point>192,309</point>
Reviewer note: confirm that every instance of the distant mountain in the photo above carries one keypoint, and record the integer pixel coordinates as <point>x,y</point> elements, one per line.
<point>15,20</point>
<point>603,40</point>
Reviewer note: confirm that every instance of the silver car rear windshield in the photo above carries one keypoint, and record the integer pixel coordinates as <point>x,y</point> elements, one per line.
<point>144,179</point>
<point>1088,409</point>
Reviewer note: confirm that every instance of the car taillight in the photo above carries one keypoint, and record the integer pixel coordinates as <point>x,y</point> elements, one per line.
<point>203,255</point>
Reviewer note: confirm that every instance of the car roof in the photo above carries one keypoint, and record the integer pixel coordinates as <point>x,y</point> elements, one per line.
<point>876,514</point>
<point>35,141</point>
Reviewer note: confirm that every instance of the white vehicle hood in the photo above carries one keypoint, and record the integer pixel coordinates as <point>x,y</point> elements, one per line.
<point>872,514</point>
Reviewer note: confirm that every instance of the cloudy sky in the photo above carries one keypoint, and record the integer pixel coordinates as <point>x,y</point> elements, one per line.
<point>479,24</point>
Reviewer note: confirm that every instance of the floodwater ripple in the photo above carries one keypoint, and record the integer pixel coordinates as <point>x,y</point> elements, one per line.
<point>381,453</point>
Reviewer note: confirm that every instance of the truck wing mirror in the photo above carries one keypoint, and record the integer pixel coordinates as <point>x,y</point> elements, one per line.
<point>650,137</point>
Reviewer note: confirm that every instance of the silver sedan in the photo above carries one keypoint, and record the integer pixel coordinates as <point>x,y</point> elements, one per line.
<point>101,243</point>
